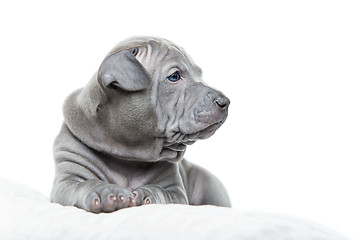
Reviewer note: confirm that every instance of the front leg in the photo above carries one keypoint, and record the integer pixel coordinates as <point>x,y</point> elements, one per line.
<point>155,194</point>
<point>92,195</point>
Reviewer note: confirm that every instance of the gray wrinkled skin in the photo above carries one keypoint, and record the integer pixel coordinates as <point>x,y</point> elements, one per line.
<point>125,133</point>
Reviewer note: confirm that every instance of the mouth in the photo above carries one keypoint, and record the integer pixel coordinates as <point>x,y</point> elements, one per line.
<point>192,137</point>
<point>209,131</point>
<point>212,127</point>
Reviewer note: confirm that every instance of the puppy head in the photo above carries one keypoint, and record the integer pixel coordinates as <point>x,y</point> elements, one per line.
<point>152,102</point>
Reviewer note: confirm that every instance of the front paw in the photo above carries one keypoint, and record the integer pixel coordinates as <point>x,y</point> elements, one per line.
<point>108,198</point>
<point>143,197</point>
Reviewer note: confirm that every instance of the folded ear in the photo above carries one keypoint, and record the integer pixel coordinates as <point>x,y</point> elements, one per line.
<point>123,70</point>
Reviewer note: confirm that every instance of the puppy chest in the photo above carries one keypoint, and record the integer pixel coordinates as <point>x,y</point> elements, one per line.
<point>133,175</point>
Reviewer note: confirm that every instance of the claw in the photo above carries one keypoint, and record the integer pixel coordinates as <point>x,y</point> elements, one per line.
<point>112,198</point>
<point>96,202</point>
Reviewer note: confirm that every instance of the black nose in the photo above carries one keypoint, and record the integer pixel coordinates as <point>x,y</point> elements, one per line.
<point>223,102</point>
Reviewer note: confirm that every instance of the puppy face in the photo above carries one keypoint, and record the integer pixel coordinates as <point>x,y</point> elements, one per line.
<point>155,101</point>
<point>187,109</point>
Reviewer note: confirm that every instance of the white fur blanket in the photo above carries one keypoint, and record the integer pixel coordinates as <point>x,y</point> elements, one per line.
<point>27,214</point>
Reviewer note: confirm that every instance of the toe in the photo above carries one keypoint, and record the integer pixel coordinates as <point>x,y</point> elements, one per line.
<point>93,203</point>
<point>138,197</point>
<point>124,198</point>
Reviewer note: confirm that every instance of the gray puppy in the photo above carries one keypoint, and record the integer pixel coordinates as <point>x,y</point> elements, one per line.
<point>125,133</point>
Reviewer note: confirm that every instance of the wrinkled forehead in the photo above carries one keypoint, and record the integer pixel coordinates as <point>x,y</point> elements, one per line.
<point>144,42</point>
<point>157,50</point>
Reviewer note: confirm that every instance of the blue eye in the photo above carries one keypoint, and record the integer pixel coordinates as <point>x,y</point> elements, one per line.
<point>174,77</point>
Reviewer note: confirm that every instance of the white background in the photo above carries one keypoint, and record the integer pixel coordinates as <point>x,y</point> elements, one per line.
<point>291,69</point>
